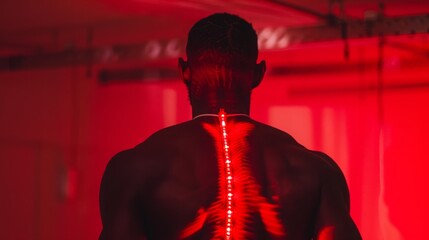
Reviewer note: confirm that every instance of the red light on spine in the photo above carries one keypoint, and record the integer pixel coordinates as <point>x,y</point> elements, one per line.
<point>239,196</point>
<point>228,176</point>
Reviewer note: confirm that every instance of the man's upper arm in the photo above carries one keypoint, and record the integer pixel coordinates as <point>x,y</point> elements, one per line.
<point>333,219</point>
<point>118,198</point>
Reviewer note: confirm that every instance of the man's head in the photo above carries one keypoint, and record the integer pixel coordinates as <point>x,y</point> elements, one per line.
<point>221,69</point>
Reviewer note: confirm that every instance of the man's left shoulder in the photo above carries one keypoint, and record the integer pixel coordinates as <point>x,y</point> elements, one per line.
<point>169,132</point>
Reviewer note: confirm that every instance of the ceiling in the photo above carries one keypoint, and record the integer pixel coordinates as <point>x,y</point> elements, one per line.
<point>39,26</point>
<point>34,16</point>
<point>20,16</point>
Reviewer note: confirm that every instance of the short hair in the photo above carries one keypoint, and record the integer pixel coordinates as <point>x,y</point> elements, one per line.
<point>225,34</point>
<point>220,48</point>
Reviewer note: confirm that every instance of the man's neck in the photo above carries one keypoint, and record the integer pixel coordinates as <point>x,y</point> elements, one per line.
<point>210,102</point>
<point>229,109</point>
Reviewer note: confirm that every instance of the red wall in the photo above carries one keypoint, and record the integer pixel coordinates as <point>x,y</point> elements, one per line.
<point>58,129</point>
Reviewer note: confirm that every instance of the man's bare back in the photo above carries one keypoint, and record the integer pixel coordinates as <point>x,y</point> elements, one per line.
<point>162,188</point>
<point>216,178</point>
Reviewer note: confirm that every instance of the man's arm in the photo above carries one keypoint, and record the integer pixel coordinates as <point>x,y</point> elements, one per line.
<point>118,200</point>
<point>333,220</point>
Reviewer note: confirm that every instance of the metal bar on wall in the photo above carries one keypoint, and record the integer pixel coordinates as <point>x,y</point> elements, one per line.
<point>269,38</point>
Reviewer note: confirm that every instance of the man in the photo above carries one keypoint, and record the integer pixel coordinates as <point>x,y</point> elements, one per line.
<point>223,175</point>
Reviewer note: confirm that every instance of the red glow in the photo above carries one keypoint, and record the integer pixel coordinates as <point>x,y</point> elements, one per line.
<point>239,195</point>
<point>327,233</point>
<point>229,179</point>
<point>324,101</point>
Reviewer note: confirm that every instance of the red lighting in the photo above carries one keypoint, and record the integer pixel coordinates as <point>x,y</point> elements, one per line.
<point>229,176</point>
<point>239,196</point>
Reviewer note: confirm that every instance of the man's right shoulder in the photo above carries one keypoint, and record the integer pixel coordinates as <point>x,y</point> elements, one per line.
<point>275,134</point>
<point>285,143</point>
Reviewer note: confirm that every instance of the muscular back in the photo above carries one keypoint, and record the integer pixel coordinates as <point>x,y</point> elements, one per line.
<point>172,186</point>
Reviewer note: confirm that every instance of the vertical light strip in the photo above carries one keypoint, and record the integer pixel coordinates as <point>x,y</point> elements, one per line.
<point>228,175</point>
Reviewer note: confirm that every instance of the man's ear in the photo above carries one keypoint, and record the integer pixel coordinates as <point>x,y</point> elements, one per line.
<point>260,69</point>
<point>184,71</point>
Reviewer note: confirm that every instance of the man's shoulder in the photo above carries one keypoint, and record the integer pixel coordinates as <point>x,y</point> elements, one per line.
<point>167,135</point>
<point>134,165</point>
<point>274,134</point>
<point>126,160</point>
<point>154,146</point>
<point>294,150</point>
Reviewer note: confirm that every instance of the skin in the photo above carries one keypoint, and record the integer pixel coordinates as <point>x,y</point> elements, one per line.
<point>154,190</point>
